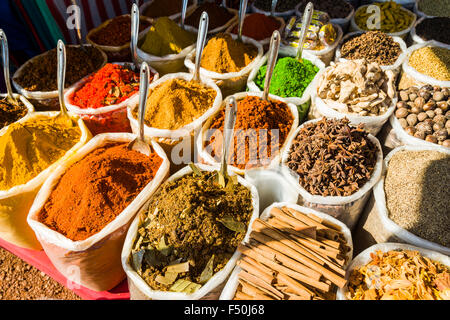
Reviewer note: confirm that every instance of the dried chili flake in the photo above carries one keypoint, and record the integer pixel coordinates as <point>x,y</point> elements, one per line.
<point>111,85</point>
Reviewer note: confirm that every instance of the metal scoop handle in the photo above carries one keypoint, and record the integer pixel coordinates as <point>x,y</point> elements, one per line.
<point>134,34</point>
<point>201,40</point>
<point>183,12</point>
<point>271,61</point>
<point>5,59</point>
<point>242,10</point>
<point>306,21</point>
<point>61,74</point>
<point>143,96</point>
<point>228,132</point>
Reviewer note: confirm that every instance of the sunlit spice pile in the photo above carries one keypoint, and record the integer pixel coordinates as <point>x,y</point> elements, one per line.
<point>399,275</point>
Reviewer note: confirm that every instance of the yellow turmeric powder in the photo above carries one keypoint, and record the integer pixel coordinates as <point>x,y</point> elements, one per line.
<point>30,147</point>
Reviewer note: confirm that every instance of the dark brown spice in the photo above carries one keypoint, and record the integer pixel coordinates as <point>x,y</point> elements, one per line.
<point>332,158</point>
<point>335,8</point>
<point>10,113</point>
<point>434,29</point>
<point>218,16</point>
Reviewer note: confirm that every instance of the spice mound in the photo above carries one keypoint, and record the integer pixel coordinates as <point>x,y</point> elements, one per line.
<point>260,123</point>
<point>292,256</point>
<point>374,46</point>
<point>357,87</point>
<point>282,6</point>
<point>434,29</point>
<point>399,275</point>
<point>290,77</point>
<point>222,54</point>
<point>117,32</point>
<point>335,8</point>
<point>332,158</point>
<point>30,147</point>
<point>111,85</point>
<point>166,37</point>
<point>192,228</point>
<point>435,8</point>
<point>394,17</point>
<point>425,113</point>
<point>432,61</point>
<point>258,26</point>
<point>218,15</point>
<point>10,112</point>
<point>40,73</point>
<point>416,187</point>
<point>163,8</point>
<point>176,103</point>
<point>96,189</point>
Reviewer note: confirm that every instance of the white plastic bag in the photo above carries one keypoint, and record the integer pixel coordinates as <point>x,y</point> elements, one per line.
<point>390,227</point>
<point>230,82</point>
<point>45,98</point>
<point>97,258</point>
<point>289,52</point>
<point>16,202</point>
<point>343,23</point>
<point>265,41</point>
<point>112,118</point>
<point>405,139</point>
<point>416,76</point>
<point>372,124</point>
<point>346,209</point>
<point>203,137</point>
<point>174,16</point>
<point>364,258</point>
<point>139,289</point>
<point>169,63</point>
<point>402,34</point>
<point>395,67</point>
<point>230,288</point>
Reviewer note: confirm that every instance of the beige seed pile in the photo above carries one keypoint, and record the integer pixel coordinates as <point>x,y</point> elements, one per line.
<point>432,61</point>
<point>417,193</point>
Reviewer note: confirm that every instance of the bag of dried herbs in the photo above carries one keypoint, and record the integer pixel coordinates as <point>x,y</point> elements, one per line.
<point>333,166</point>
<point>185,242</point>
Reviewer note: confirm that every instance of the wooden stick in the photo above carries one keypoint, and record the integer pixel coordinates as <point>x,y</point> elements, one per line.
<point>249,251</point>
<point>258,265</point>
<point>269,278</point>
<point>331,243</point>
<point>306,231</point>
<point>294,285</point>
<point>315,247</point>
<point>260,284</point>
<point>266,244</point>
<point>296,224</point>
<point>242,296</point>
<point>250,290</point>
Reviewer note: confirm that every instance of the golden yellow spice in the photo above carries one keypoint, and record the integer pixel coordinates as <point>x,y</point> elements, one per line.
<point>28,148</point>
<point>432,61</point>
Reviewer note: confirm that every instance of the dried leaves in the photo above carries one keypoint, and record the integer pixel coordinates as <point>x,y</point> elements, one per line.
<point>332,158</point>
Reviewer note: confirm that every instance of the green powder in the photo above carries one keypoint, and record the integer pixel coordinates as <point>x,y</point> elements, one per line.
<point>290,77</point>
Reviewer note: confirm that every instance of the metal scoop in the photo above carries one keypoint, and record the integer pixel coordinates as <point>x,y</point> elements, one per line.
<point>78,28</point>
<point>201,40</point>
<point>5,57</point>
<point>274,5</point>
<point>139,143</point>
<point>134,35</point>
<point>242,10</point>
<point>61,77</point>
<point>183,12</point>
<point>271,61</point>
<point>306,21</point>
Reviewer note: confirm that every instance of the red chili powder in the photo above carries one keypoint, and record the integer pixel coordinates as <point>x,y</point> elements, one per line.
<point>111,85</point>
<point>258,26</point>
<point>95,190</point>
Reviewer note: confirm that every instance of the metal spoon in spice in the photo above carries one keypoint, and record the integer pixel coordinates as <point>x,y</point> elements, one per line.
<point>139,143</point>
<point>61,77</point>
<point>274,5</point>
<point>306,21</point>
<point>228,132</point>
<point>5,57</point>
<point>134,35</point>
<point>183,12</point>
<point>201,40</point>
<point>242,11</point>
<point>78,28</point>
<point>271,61</point>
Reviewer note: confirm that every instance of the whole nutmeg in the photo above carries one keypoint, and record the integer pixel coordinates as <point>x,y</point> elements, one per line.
<point>439,119</point>
<point>419,102</point>
<point>428,87</point>
<point>411,119</point>
<point>438,96</point>
<point>410,130</point>
<point>401,104</point>
<point>438,111</point>
<point>430,114</point>
<point>422,116</point>
<point>447,124</point>
<point>416,110</point>
<point>404,96</point>
<point>441,135</point>
<point>438,126</point>
<point>412,96</point>
<point>403,122</point>
<point>424,94</point>
<point>419,134</point>
<point>426,128</point>
<point>447,115</point>
<point>443,105</point>
<point>446,143</point>
<point>445,92</point>
<point>431,138</point>
<point>401,113</point>
<point>429,105</point>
